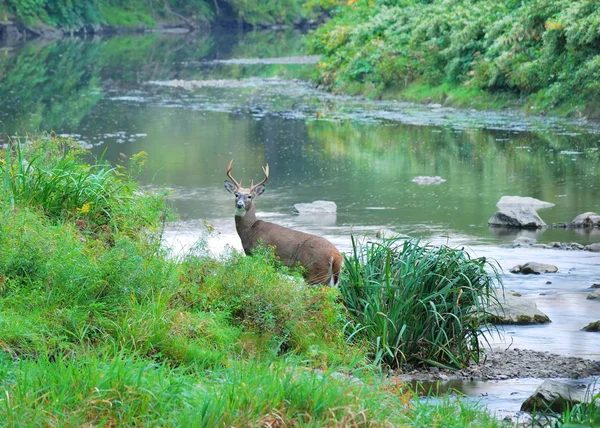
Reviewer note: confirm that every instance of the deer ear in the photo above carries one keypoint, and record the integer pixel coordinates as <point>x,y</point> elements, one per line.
<point>231,188</point>
<point>258,190</point>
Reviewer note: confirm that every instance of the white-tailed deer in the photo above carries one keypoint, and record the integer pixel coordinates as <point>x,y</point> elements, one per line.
<point>319,257</point>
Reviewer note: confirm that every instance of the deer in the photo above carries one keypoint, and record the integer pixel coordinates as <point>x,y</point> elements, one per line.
<point>320,259</point>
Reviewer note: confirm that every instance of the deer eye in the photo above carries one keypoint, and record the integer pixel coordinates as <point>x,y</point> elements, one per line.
<point>237,195</point>
<point>249,197</point>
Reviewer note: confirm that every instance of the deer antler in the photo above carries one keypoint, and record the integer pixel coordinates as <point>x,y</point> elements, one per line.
<point>238,185</point>
<point>266,171</point>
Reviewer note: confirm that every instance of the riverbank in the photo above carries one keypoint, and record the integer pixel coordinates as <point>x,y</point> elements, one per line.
<point>539,56</point>
<point>512,363</point>
<point>26,20</point>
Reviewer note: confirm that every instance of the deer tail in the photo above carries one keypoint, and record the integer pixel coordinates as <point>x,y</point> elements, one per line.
<point>335,264</point>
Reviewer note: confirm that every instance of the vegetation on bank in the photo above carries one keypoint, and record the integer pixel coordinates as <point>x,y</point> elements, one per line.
<point>544,53</point>
<point>99,325</point>
<point>75,15</point>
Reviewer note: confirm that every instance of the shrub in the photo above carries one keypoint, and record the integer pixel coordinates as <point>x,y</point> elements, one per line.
<point>267,299</point>
<point>416,304</point>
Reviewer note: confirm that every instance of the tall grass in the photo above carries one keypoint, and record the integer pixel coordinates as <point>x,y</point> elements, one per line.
<point>52,175</point>
<point>416,304</point>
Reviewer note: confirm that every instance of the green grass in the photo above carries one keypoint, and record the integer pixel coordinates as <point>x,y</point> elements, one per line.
<point>417,304</point>
<point>99,326</point>
<point>118,390</point>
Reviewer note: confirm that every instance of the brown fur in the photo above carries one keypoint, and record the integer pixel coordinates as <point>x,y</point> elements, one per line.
<point>320,258</point>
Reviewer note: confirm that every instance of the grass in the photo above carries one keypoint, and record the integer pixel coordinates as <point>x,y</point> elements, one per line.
<point>417,304</point>
<point>99,326</point>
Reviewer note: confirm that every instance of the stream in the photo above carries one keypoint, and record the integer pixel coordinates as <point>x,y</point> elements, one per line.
<point>193,103</point>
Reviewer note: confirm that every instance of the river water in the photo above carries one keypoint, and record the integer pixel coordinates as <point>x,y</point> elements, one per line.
<point>195,103</point>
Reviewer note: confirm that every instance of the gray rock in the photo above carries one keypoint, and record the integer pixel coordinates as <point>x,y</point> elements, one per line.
<point>534,268</point>
<point>595,247</point>
<point>523,217</point>
<point>316,207</point>
<point>511,308</point>
<point>524,240</point>
<point>589,219</point>
<point>424,179</point>
<point>594,295</point>
<point>595,285</point>
<point>593,326</point>
<point>522,201</point>
<point>553,395</point>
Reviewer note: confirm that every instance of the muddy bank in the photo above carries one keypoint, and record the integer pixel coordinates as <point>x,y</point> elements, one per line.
<point>512,364</point>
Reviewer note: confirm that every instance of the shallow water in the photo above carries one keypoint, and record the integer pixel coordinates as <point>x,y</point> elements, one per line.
<point>194,103</point>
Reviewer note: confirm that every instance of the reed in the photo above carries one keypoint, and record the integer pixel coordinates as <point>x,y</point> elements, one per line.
<point>415,303</point>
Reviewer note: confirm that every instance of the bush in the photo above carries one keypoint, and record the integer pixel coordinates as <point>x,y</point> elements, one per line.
<point>416,304</point>
<point>546,48</point>
<point>267,299</point>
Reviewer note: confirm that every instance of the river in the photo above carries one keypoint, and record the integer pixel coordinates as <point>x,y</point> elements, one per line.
<point>193,103</point>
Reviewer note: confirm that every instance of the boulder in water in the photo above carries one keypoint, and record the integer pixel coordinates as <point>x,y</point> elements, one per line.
<point>593,326</point>
<point>553,395</point>
<point>521,217</point>
<point>534,268</point>
<point>512,308</point>
<point>522,201</point>
<point>588,219</point>
<point>316,207</point>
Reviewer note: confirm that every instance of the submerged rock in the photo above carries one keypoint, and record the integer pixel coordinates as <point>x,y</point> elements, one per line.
<point>553,395</point>
<point>524,241</point>
<point>594,295</point>
<point>522,201</point>
<point>589,219</point>
<point>595,247</point>
<point>316,207</point>
<point>534,268</point>
<point>424,179</point>
<point>593,326</point>
<point>522,217</point>
<point>512,308</point>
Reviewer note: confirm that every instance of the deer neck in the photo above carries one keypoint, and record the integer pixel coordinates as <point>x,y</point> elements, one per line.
<point>243,223</point>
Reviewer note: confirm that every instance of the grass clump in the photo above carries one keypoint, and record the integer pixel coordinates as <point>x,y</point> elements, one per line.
<point>417,304</point>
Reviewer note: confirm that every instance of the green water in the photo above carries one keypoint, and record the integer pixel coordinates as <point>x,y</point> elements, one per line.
<point>127,94</point>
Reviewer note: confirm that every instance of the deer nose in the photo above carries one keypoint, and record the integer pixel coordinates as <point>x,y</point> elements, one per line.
<point>240,204</point>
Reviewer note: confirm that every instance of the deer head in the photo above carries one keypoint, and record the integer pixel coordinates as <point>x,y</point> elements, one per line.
<point>244,196</point>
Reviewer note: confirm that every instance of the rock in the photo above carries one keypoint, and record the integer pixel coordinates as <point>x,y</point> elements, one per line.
<point>595,247</point>
<point>316,207</point>
<point>513,309</point>
<point>593,326</point>
<point>523,217</point>
<point>522,201</point>
<point>423,179</point>
<point>553,395</point>
<point>534,268</point>
<point>595,285</point>
<point>524,240</point>
<point>588,219</point>
<point>594,295</point>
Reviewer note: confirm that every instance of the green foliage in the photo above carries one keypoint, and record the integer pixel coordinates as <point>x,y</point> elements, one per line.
<point>263,297</point>
<point>416,304</point>
<point>100,326</point>
<point>79,14</point>
<point>549,48</point>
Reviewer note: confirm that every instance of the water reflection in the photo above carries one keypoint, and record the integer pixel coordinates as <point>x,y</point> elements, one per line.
<point>361,154</point>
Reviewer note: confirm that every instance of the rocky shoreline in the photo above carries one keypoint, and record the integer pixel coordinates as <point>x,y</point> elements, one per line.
<point>511,364</point>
